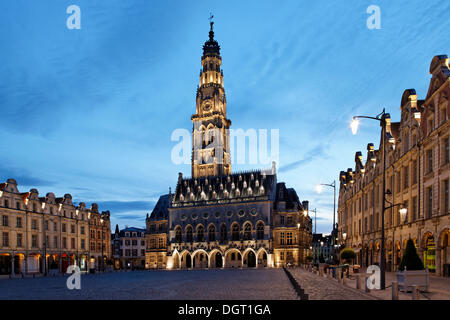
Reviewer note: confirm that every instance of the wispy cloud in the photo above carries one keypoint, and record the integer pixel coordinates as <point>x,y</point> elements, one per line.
<point>318,151</point>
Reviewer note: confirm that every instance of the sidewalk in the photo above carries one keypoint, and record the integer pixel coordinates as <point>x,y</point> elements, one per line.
<point>439,288</point>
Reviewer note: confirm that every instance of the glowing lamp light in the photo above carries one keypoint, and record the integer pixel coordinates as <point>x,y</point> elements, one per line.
<point>101,221</point>
<point>60,207</point>
<point>403,212</point>
<point>77,211</point>
<point>319,188</point>
<point>344,235</point>
<point>43,205</point>
<point>354,125</point>
<point>305,212</point>
<point>1,193</point>
<point>298,225</point>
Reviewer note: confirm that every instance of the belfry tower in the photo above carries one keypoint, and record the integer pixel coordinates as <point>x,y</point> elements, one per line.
<point>210,135</point>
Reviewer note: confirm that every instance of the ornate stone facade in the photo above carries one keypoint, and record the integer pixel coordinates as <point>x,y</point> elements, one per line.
<point>417,176</point>
<point>217,219</point>
<point>34,227</point>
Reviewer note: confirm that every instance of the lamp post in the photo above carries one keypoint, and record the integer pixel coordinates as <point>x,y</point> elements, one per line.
<point>319,190</point>
<point>103,268</point>
<point>383,118</point>
<point>44,226</point>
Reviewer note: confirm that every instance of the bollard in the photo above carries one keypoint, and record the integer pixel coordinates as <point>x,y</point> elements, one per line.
<point>415,292</point>
<point>344,280</point>
<point>339,275</point>
<point>358,281</point>
<point>366,287</point>
<point>394,290</point>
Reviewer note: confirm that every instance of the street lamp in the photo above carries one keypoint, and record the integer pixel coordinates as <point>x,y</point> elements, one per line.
<point>103,261</point>
<point>319,189</point>
<point>383,118</point>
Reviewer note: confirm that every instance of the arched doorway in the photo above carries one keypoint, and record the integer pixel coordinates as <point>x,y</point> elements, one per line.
<point>233,259</point>
<point>5,264</point>
<point>429,252</point>
<point>262,259</point>
<point>250,260</point>
<point>219,262</point>
<point>186,260</point>
<point>200,260</point>
<point>19,263</point>
<point>444,243</point>
<point>176,261</point>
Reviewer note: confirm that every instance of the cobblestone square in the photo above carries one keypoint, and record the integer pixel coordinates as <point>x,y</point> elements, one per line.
<point>225,284</point>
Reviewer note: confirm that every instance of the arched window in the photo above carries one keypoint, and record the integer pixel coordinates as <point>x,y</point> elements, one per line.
<point>200,234</point>
<point>260,231</point>
<point>223,233</point>
<point>212,233</point>
<point>235,232</point>
<point>247,231</point>
<point>189,234</point>
<point>178,236</point>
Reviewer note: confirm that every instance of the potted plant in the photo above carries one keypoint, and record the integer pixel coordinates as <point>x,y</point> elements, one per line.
<point>411,271</point>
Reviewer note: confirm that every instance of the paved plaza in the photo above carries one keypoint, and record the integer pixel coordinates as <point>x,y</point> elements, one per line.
<point>321,288</point>
<point>226,284</point>
<point>216,284</point>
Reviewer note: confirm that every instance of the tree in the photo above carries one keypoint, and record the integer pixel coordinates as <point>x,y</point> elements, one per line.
<point>410,258</point>
<point>348,254</point>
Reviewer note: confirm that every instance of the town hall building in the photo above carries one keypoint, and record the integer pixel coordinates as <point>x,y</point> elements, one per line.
<point>220,219</point>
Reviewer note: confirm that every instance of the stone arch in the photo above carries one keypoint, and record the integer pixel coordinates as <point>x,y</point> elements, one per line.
<point>249,258</point>
<point>19,263</point>
<point>443,253</point>
<point>260,226</point>
<point>262,258</point>
<point>223,232</point>
<point>429,251</point>
<point>233,258</point>
<point>189,231</point>
<point>200,259</point>
<point>247,228</point>
<point>178,234</point>
<point>216,259</point>
<point>176,257</point>
<point>5,264</point>
<point>185,260</point>
<point>211,231</point>
<point>200,232</point>
<point>235,231</point>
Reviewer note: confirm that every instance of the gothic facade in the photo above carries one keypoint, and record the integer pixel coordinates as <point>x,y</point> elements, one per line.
<point>417,178</point>
<point>220,219</point>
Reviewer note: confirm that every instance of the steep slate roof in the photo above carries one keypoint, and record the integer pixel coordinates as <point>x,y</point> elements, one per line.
<point>237,187</point>
<point>131,229</point>
<point>161,212</point>
<point>288,195</point>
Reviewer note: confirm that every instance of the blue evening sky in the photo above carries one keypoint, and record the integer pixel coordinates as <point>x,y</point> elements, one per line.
<point>90,112</point>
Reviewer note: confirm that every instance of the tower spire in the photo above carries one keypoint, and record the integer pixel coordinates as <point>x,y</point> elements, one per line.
<point>211,31</point>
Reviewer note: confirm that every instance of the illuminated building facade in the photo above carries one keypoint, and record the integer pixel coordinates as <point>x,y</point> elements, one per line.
<point>34,227</point>
<point>219,219</point>
<point>417,178</point>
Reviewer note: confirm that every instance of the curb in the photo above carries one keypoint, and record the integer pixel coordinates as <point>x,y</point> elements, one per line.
<point>300,292</point>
